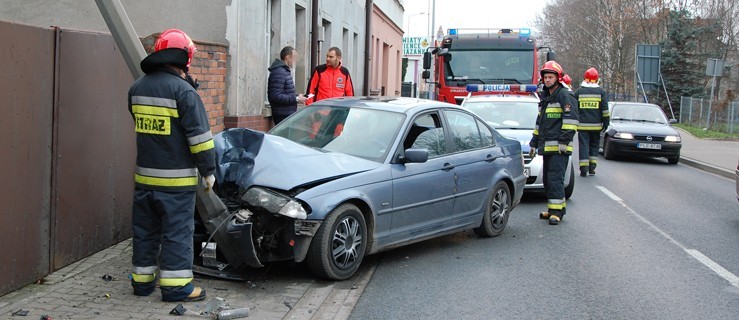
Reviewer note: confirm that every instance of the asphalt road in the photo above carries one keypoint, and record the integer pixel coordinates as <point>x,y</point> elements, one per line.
<point>641,240</point>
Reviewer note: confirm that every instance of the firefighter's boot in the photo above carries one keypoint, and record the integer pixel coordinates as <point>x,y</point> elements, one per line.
<point>544,215</point>
<point>583,171</point>
<point>554,219</point>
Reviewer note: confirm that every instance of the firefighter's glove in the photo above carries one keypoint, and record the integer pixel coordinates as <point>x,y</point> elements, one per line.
<point>532,152</point>
<point>209,182</point>
<point>562,149</point>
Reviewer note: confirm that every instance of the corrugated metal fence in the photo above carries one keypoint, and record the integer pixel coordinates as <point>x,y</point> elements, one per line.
<point>68,150</point>
<point>724,118</point>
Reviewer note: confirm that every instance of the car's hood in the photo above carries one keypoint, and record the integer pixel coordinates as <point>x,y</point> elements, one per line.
<point>647,128</point>
<point>249,157</point>
<point>522,135</point>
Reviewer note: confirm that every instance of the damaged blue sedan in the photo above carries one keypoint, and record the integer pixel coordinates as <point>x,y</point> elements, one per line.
<point>348,177</point>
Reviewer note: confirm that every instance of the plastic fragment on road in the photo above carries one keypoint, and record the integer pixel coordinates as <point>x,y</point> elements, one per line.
<point>178,310</point>
<point>20,312</point>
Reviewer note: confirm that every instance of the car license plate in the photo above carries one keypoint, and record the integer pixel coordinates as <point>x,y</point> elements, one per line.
<point>649,146</point>
<point>526,171</point>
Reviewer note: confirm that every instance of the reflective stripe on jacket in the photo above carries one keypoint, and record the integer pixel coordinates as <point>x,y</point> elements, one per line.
<point>173,138</point>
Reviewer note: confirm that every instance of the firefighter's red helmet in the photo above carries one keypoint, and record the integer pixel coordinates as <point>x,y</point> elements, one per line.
<point>567,80</point>
<point>174,38</point>
<point>591,75</point>
<point>552,67</point>
<point>173,47</point>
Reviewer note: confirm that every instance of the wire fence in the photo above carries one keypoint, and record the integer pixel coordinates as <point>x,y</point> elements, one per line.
<point>695,112</point>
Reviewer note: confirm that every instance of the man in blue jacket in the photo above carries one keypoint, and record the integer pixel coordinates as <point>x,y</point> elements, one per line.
<point>281,88</point>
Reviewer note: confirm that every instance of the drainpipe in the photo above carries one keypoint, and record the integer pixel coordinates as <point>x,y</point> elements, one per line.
<point>123,33</point>
<point>367,45</point>
<point>314,54</point>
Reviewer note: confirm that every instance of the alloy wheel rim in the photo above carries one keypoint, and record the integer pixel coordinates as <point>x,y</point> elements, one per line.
<point>499,208</point>
<point>345,243</point>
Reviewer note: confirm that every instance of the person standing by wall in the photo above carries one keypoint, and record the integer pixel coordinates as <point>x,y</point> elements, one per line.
<point>556,126</point>
<point>174,145</point>
<point>330,80</point>
<point>594,117</point>
<point>281,88</point>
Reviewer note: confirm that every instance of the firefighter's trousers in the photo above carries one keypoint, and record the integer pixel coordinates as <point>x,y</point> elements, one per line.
<point>162,232</point>
<point>588,144</point>
<point>555,166</point>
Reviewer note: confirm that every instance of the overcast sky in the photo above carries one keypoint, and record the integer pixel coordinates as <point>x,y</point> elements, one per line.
<point>469,14</point>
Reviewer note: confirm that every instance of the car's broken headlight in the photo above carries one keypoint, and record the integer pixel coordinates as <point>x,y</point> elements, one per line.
<point>274,202</point>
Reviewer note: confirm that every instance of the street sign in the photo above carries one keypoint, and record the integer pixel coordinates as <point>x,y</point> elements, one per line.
<point>714,67</point>
<point>415,45</point>
<point>647,65</point>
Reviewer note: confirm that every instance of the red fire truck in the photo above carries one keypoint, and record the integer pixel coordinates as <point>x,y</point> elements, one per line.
<point>480,57</point>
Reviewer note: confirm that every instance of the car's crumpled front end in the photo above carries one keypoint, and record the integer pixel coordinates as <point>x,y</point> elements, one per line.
<point>254,216</point>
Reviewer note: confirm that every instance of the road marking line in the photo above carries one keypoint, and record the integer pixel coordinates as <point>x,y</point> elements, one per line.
<point>610,194</point>
<point>726,274</point>
<point>706,261</point>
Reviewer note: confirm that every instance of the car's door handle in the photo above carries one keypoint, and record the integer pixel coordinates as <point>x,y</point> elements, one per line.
<point>490,158</point>
<point>448,166</point>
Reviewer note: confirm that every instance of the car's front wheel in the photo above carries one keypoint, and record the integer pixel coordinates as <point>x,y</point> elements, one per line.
<point>497,211</point>
<point>339,245</point>
<point>673,160</point>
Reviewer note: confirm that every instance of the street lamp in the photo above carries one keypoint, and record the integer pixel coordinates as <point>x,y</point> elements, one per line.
<point>408,24</point>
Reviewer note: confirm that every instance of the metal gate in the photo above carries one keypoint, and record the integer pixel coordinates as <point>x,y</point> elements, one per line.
<point>69,150</point>
<point>26,97</point>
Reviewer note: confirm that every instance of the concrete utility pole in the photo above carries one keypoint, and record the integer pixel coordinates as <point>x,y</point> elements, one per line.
<point>124,35</point>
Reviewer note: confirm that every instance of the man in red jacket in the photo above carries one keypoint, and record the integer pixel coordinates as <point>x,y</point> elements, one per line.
<point>330,80</point>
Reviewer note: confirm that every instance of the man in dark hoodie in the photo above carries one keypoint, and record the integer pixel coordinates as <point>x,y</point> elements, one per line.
<point>281,88</point>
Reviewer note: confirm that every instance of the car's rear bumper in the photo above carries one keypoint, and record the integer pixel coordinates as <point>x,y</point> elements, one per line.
<point>631,148</point>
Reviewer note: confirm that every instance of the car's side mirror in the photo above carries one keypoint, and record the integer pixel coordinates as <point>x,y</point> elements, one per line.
<point>426,60</point>
<point>425,74</point>
<point>673,121</point>
<point>416,155</point>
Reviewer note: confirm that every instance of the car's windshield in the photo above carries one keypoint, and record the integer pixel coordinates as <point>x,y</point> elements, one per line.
<point>638,112</point>
<point>506,114</point>
<point>489,66</point>
<point>360,132</point>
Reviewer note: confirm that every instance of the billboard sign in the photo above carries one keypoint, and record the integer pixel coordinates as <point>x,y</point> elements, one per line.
<point>415,46</point>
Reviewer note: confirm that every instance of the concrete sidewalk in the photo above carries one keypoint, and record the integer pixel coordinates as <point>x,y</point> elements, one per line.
<point>279,291</point>
<point>716,156</point>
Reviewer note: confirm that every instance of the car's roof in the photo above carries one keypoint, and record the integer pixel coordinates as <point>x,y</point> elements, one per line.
<point>502,98</point>
<point>393,104</point>
<point>613,103</point>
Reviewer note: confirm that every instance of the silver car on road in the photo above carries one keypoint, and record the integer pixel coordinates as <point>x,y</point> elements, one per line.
<point>352,176</point>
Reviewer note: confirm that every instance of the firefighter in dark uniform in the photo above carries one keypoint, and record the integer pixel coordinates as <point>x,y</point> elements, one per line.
<point>174,147</point>
<point>594,117</point>
<point>556,126</point>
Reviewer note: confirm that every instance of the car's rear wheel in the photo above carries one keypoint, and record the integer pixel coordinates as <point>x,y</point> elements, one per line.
<point>673,160</point>
<point>497,210</point>
<point>339,245</point>
<point>571,186</point>
<point>608,149</point>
